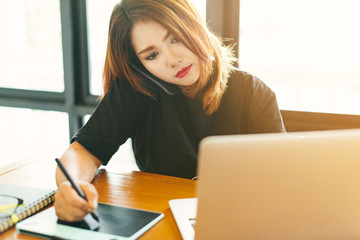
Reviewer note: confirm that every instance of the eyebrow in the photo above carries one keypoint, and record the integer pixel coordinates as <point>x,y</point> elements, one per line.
<point>151,47</point>
<point>166,36</point>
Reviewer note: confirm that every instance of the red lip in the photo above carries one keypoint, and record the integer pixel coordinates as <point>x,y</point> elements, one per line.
<point>183,72</point>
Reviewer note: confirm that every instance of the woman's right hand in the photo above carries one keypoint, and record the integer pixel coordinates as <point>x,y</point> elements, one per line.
<point>69,206</point>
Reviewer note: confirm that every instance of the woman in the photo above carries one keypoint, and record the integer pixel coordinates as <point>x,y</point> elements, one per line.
<point>168,83</point>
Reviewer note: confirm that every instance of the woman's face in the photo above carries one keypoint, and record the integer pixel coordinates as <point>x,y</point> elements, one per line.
<point>164,55</point>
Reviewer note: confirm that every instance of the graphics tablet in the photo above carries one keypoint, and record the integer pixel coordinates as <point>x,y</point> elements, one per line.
<point>115,223</point>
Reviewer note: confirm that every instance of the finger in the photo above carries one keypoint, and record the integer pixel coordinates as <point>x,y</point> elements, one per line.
<point>69,205</point>
<point>91,195</point>
<point>73,198</point>
<point>66,211</point>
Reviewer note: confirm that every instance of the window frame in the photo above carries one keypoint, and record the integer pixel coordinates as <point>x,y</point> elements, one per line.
<point>76,100</point>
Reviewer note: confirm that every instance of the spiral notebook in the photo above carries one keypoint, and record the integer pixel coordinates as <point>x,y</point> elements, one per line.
<point>34,198</point>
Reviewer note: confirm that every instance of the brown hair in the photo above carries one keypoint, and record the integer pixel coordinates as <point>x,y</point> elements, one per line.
<point>181,19</point>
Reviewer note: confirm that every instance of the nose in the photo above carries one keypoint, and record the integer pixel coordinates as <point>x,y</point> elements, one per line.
<point>173,59</point>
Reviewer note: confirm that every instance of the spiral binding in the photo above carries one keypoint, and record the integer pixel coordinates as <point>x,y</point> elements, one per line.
<point>28,210</point>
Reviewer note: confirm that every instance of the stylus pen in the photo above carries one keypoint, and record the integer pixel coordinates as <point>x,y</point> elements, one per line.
<point>75,186</point>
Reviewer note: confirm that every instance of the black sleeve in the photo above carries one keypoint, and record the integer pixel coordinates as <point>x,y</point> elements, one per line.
<point>260,106</point>
<point>115,119</point>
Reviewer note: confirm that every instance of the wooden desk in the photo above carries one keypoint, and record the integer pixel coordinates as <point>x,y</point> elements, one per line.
<point>132,189</point>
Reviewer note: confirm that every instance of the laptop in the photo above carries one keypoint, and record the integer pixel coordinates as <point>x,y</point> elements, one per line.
<point>303,185</point>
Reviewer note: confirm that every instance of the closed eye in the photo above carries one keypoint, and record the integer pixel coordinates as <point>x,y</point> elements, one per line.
<point>152,56</point>
<point>175,40</point>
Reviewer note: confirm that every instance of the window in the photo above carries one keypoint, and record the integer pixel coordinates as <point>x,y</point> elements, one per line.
<point>52,57</point>
<point>307,51</point>
<point>30,46</point>
<point>98,17</point>
<point>32,133</point>
<point>31,77</point>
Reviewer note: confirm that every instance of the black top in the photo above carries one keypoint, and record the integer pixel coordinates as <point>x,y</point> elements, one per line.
<point>166,132</point>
